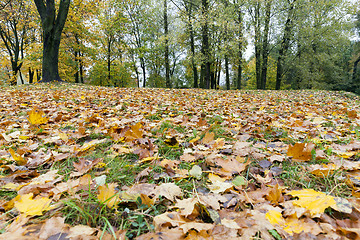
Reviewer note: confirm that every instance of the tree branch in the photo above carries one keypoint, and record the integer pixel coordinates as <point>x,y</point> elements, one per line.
<point>40,5</point>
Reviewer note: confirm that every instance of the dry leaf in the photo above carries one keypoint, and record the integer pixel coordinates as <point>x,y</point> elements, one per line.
<point>168,190</point>
<point>301,151</point>
<point>108,195</point>
<point>36,117</point>
<point>32,207</point>
<point>315,202</point>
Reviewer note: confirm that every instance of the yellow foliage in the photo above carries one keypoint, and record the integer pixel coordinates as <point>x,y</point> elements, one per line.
<point>108,196</point>
<point>315,202</point>
<point>32,207</point>
<point>36,117</point>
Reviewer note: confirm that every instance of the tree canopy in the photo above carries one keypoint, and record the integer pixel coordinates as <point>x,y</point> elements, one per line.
<point>230,44</point>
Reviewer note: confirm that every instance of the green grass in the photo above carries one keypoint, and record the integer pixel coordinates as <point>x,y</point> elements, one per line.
<point>295,176</point>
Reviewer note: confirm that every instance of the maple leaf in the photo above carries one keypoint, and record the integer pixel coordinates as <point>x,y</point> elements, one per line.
<point>315,202</point>
<point>52,226</point>
<point>208,138</point>
<point>293,225</point>
<point>36,117</point>
<point>32,207</point>
<point>301,151</point>
<point>108,195</point>
<point>168,190</point>
<point>18,159</point>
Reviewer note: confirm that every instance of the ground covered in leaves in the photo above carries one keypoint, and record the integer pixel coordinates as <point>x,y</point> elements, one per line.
<point>81,162</point>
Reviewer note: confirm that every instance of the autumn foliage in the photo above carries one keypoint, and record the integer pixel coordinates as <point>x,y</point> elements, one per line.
<point>81,162</point>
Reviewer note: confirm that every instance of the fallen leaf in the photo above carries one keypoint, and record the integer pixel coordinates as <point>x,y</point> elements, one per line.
<point>18,159</point>
<point>315,202</point>
<point>301,151</point>
<point>208,138</point>
<point>196,172</point>
<point>108,195</point>
<point>36,117</point>
<point>168,190</point>
<point>32,207</point>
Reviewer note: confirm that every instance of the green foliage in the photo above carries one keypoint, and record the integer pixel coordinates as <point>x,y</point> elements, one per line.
<point>119,75</point>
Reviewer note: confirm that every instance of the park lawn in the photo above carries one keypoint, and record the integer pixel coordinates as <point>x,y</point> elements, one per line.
<point>86,162</point>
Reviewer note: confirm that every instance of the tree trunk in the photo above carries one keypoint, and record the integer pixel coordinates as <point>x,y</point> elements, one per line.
<point>218,76</point>
<point>38,75</point>
<point>52,27</point>
<point>205,44</point>
<point>142,64</point>
<point>167,64</point>
<point>239,73</point>
<point>81,68</point>
<point>285,44</point>
<point>76,75</point>
<point>192,48</point>
<point>258,45</point>
<point>31,76</point>
<point>355,70</point>
<point>109,61</point>
<point>265,45</point>
<point>13,47</point>
<point>202,75</point>
<point>227,75</point>
<point>213,77</point>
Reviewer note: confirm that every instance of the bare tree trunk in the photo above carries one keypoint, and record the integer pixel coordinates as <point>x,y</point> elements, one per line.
<point>52,26</point>
<point>205,44</point>
<point>355,69</point>
<point>227,75</point>
<point>31,76</point>
<point>192,47</point>
<point>81,68</point>
<point>76,75</point>
<point>258,44</point>
<point>285,44</point>
<point>167,65</point>
<point>142,64</point>
<point>239,73</point>
<point>265,45</point>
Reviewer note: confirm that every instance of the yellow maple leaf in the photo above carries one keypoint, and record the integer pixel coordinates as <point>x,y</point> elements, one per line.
<point>315,202</point>
<point>108,196</point>
<point>18,159</point>
<point>36,117</point>
<point>275,217</point>
<point>292,224</point>
<point>32,207</point>
<point>301,151</point>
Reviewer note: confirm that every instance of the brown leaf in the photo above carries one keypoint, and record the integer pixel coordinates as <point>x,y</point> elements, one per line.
<point>168,190</point>
<point>173,234</point>
<point>208,138</point>
<point>51,227</point>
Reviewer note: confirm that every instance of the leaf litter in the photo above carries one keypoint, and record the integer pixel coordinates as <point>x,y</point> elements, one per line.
<point>83,162</point>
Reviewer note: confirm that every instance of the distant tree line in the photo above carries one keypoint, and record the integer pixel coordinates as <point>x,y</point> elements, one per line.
<point>229,44</point>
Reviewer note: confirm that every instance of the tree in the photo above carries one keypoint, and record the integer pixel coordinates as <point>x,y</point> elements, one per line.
<point>238,5</point>
<point>320,39</point>
<point>166,35</point>
<point>261,16</point>
<point>187,12</point>
<point>357,60</point>
<point>139,19</point>
<point>205,46</point>
<point>285,43</point>
<point>52,26</point>
<point>78,41</point>
<point>4,4</point>
<point>14,30</point>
